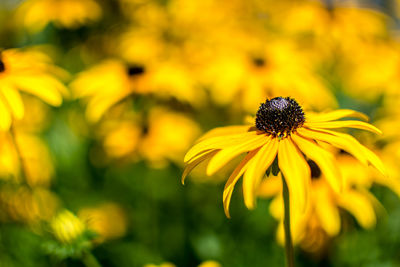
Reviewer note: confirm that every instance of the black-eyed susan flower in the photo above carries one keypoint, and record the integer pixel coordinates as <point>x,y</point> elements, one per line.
<point>30,72</point>
<point>36,14</point>
<point>282,131</point>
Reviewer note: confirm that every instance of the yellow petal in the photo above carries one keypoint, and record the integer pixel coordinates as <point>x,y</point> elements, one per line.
<point>343,124</point>
<point>45,87</point>
<point>218,142</point>
<point>225,155</point>
<point>359,206</point>
<point>223,131</point>
<point>236,174</point>
<point>256,170</point>
<point>14,101</point>
<point>327,211</point>
<point>189,167</point>
<point>296,172</point>
<point>335,115</point>
<point>5,117</point>
<point>324,159</point>
<point>347,143</point>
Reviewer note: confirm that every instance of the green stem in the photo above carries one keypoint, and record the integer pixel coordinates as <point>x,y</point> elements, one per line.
<point>286,223</point>
<point>89,260</point>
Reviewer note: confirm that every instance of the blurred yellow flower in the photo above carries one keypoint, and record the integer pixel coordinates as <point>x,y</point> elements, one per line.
<point>34,161</point>
<point>252,77</point>
<point>281,131</point>
<point>36,14</point>
<point>27,205</point>
<point>108,221</point>
<point>210,264</point>
<point>169,135</point>
<point>30,72</point>
<point>66,227</point>
<point>321,220</point>
<point>108,83</point>
<point>164,136</point>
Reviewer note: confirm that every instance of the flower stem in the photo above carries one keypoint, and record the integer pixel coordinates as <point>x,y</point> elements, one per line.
<point>89,260</point>
<point>286,223</point>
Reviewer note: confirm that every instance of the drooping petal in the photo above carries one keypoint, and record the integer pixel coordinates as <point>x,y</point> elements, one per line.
<point>14,101</point>
<point>225,155</point>
<point>359,206</point>
<point>223,131</point>
<point>335,115</point>
<point>295,170</point>
<point>5,116</point>
<point>324,159</point>
<point>189,167</point>
<point>347,143</point>
<point>343,124</point>
<point>256,169</point>
<point>218,142</point>
<point>45,87</point>
<point>236,174</point>
<point>326,210</point>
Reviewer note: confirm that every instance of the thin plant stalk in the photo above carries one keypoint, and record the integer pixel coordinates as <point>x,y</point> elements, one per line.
<point>286,223</point>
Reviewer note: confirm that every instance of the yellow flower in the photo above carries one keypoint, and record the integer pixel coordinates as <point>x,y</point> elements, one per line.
<point>66,227</point>
<point>108,221</point>
<point>252,77</point>
<point>30,72</point>
<point>108,83</point>
<point>322,220</point>
<point>165,136</point>
<point>210,264</point>
<point>284,132</point>
<point>27,205</point>
<point>36,14</point>
<point>168,136</point>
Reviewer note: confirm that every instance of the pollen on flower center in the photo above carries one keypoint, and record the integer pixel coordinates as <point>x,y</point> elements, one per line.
<point>2,67</point>
<point>135,70</point>
<point>279,116</point>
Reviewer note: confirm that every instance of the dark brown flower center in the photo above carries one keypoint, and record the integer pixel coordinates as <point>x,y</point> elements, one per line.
<point>279,116</point>
<point>135,70</point>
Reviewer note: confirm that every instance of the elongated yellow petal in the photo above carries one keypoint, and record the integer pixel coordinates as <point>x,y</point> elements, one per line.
<point>5,117</point>
<point>45,87</point>
<point>343,124</point>
<point>360,207</point>
<point>223,131</point>
<point>295,170</point>
<point>236,174</point>
<point>335,115</point>
<point>218,142</point>
<point>257,168</point>
<point>347,143</point>
<point>225,155</point>
<point>324,159</point>
<point>326,210</point>
<point>14,101</point>
<point>189,167</point>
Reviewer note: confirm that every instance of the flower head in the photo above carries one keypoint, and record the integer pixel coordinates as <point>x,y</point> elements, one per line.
<point>283,132</point>
<point>31,72</point>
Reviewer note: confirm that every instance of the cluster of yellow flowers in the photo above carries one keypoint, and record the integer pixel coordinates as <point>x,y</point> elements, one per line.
<point>171,60</point>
